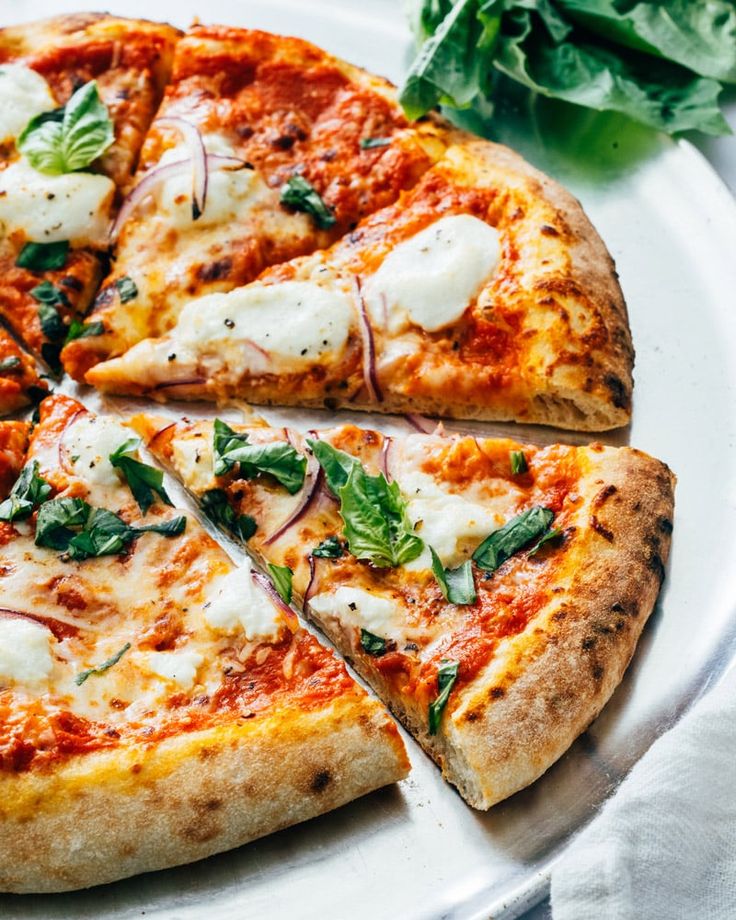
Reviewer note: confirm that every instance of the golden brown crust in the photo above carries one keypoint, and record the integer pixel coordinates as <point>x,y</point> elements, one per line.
<point>144,808</point>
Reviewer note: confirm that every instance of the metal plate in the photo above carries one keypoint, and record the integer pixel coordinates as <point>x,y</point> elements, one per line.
<point>415,850</point>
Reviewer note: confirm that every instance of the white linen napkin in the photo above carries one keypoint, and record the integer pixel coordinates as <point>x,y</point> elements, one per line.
<point>664,847</point>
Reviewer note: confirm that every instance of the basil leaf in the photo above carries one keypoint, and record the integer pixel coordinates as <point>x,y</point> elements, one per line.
<point>302,196</point>
<point>9,364</point>
<point>457,584</point>
<point>368,143</point>
<point>42,257</point>
<point>171,528</point>
<point>446,677</point>
<point>49,299</point>
<point>217,508</point>
<point>29,490</point>
<point>56,517</point>
<point>336,464</point>
<point>127,288</point>
<point>374,645</point>
<point>79,330</point>
<point>331,548</point>
<point>518,462</point>
<point>71,138</point>
<point>513,536</point>
<point>101,668</point>
<point>550,537</point>
<point>104,534</point>
<point>144,481</point>
<point>279,459</point>
<point>50,353</point>
<point>281,575</point>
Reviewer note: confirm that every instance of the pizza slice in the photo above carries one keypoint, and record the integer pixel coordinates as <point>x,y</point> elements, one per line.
<point>264,148</point>
<point>20,383</point>
<point>492,593</point>
<point>483,292</point>
<point>145,677</point>
<point>76,95</point>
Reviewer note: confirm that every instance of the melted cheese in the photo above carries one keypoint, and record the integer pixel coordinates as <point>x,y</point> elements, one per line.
<point>23,94</point>
<point>192,460</point>
<point>25,651</point>
<point>354,606</point>
<point>432,278</point>
<point>263,327</point>
<point>236,603</point>
<point>88,443</point>
<point>179,667</point>
<point>74,206</point>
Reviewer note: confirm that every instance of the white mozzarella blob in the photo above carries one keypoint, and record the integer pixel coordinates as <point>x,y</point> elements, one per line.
<point>180,667</point>
<point>23,94</point>
<point>74,206</point>
<point>432,278</point>
<point>236,603</point>
<point>354,606</point>
<point>231,193</point>
<point>289,325</point>
<point>87,444</point>
<point>25,651</point>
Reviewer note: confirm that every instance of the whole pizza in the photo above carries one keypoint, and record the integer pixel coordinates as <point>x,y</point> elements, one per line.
<point>240,219</point>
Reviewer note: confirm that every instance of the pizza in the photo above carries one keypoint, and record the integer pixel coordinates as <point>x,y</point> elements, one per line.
<point>77,93</point>
<point>492,593</point>
<point>280,147</point>
<point>145,676</point>
<point>20,383</point>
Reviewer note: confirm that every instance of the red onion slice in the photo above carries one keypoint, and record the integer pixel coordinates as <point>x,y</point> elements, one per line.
<point>370,377</point>
<point>420,423</point>
<point>57,628</point>
<point>260,579</point>
<point>189,382</point>
<point>198,157</point>
<point>161,432</point>
<point>310,585</point>
<point>385,450</point>
<point>309,491</point>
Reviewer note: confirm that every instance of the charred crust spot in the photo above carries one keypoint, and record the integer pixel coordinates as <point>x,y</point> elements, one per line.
<point>601,529</point>
<point>284,142</point>
<point>602,497</point>
<point>213,804</point>
<point>598,672</point>
<point>331,404</point>
<point>665,525</point>
<point>497,693</point>
<point>619,393</point>
<point>206,753</point>
<point>548,230</point>
<point>589,642</point>
<point>559,615</point>
<point>657,566</point>
<point>136,768</point>
<point>472,716</point>
<point>321,780</point>
<point>214,271</point>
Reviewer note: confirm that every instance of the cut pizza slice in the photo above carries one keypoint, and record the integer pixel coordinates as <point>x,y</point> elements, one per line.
<point>77,93</point>
<point>492,593</point>
<point>143,675</point>
<point>264,148</point>
<point>20,383</point>
<point>484,292</point>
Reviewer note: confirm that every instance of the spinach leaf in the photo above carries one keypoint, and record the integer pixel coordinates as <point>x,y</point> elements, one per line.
<point>29,490</point>
<point>127,288</point>
<point>217,508</point>
<point>513,536</point>
<point>70,138</point>
<point>281,575</point>
<point>373,645</point>
<point>10,364</point>
<point>331,548</point>
<point>79,330</point>
<point>101,668</point>
<point>301,195</point>
<point>42,257</point>
<point>456,584</point>
<point>446,677</point>
<point>145,481</point>
<point>279,459</point>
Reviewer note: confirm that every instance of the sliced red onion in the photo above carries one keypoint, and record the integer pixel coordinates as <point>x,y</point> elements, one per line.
<point>278,601</point>
<point>161,431</point>
<point>369,351</point>
<point>310,585</point>
<point>420,423</point>
<point>385,450</point>
<point>309,490</point>
<point>198,157</point>
<point>189,382</point>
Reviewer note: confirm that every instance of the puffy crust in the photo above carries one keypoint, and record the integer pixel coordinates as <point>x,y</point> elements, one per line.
<point>142,808</point>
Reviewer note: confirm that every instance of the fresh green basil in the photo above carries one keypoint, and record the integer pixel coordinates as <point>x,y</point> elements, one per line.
<point>518,462</point>
<point>127,288</point>
<point>369,143</point>
<point>514,535</point>
<point>279,459</point>
<point>331,548</point>
<point>70,138</point>
<point>301,195</point>
<point>50,295</point>
<point>217,508</point>
<point>456,584</point>
<point>80,330</point>
<point>372,509</point>
<point>282,576</point>
<point>446,677</point>
<point>101,668</point>
<point>10,364</point>
<point>552,536</point>
<point>373,645</point>
<point>43,257</point>
<point>144,481</point>
<point>29,490</point>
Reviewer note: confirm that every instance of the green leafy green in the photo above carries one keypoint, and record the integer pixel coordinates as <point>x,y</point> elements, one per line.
<point>101,668</point>
<point>513,536</point>
<point>127,288</point>
<point>145,481</point>
<point>518,462</point>
<point>281,575</point>
<point>42,257</point>
<point>552,536</point>
<point>279,459</point>
<point>373,645</point>
<point>456,584</point>
<point>217,508</point>
<point>29,490</point>
<point>369,143</point>
<point>80,330</point>
<point>372,509</point>
<point>301,195</point>
<point>331,548</point>
<point>446,677</point>
<point>7,365</point>
<point>69,138</point>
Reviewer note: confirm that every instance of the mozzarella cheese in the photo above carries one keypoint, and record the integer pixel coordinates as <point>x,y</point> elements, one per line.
<point>237,603</point>
<point>264,327</point>
<point>192,459</point>
<point>180,666</point>
<point>88,443</point>
<point>23,94</point>
<point>432,278</point>
<point>25,651</point>
<point>74,206</point>
<point>379,615</point>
